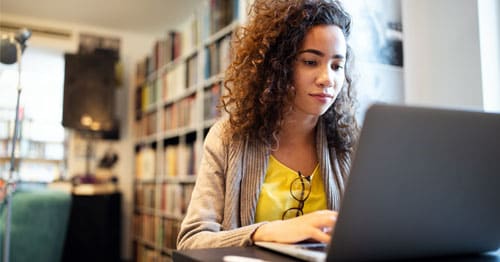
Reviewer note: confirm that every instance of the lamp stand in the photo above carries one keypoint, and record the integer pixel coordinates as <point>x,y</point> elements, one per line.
<point>10,185</point>
<point>88,177</point>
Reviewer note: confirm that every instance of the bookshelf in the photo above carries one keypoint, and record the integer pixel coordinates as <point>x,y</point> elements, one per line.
<point>177,88</point>
<point>40,150</point>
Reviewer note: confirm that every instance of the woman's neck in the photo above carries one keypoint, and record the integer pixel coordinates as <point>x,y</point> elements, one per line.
<point>298,131</point>
<point>296,144</point>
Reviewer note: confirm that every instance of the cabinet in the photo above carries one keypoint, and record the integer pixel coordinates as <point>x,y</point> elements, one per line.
<point>94,228</point>
<point>176,92</point>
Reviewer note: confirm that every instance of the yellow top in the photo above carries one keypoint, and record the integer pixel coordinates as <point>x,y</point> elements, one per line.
<point>275,195</point>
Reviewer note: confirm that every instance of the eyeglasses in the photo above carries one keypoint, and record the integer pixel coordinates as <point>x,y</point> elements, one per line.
<point>300,189</point>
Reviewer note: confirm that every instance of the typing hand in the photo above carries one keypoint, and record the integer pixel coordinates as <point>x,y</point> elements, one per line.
<point>315,226</point>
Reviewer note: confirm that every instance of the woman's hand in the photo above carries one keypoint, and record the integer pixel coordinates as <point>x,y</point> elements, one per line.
<point>316,225</point>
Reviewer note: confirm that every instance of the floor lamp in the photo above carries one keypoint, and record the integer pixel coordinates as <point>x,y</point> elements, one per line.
<point>11,48</point>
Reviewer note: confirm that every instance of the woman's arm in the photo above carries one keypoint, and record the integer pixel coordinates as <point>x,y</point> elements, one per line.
<point>202,226</point>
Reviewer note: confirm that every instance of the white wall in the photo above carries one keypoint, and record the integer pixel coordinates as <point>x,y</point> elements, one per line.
<point>489,33</point>
<point>133,47</point>
<point>452,53</point>
<point>442,53</point>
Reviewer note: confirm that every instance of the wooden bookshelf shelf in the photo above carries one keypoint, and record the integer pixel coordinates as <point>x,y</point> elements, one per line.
<point>179,180</point>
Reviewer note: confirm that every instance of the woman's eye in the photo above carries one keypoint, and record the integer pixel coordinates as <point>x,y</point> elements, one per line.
<point>337,67</point>
<point>309,62</point>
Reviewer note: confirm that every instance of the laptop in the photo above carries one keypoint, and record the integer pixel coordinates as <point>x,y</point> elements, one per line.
<point>425,182</point>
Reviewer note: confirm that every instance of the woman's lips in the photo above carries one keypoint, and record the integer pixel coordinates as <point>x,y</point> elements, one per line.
<point>323,98</point>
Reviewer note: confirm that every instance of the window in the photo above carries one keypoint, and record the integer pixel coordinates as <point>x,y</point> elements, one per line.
<point>40,153</point>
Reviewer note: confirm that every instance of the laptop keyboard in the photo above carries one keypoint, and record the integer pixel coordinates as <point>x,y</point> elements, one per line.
<point>314,247</point>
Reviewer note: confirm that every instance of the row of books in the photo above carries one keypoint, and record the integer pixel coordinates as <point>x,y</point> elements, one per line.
<point>180,114</point>
<point>170,231</point>
<point>175,198</point>
<point>168,86</point>
<point>184,75</point>
<point>179,160</point>
<point>145,161</point>
<point>145,227</point>
<point>158,232</point>
<point>138,104</point>
<point>220,13</point>
<point>174,82</point>
<point>164,50</point>
<point>149,94</point>
<point>146,125</point>
<point>145,196</point>
<point>192,78</point>
<point>217,56</point>
<point>211,98</point>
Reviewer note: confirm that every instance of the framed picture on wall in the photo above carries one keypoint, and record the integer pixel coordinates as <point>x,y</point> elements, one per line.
<point>377,35</point>
<point>377,43</point>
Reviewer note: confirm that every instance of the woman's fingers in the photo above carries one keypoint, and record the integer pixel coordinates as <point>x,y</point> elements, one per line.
<point>321,219</point>
<point>322,224</point>
<point>319,235</point>
<point>316,225</point>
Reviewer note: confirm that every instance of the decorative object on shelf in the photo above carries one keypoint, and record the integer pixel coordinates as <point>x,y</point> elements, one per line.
<point>98,181</point>
<point>11,49</point>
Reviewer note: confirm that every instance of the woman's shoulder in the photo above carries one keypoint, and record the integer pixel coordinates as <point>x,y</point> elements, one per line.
<point>219,127</point>
<point>220,142</point>
<point>219,132</point>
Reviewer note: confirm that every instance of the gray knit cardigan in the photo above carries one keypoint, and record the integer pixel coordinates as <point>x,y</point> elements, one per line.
<point>222,208</point>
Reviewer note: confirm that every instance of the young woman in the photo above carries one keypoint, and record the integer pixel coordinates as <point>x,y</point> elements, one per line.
<point>275,168</point>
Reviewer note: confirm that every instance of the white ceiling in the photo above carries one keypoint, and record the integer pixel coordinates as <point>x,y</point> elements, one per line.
<point>140,16</point>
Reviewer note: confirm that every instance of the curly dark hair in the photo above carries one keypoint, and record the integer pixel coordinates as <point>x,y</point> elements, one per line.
<point>259,79</point>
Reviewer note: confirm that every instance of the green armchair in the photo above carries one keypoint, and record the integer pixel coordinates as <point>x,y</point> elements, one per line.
<point>38,226</point>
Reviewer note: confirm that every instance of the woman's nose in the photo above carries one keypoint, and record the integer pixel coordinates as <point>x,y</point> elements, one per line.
<point>326,78</point>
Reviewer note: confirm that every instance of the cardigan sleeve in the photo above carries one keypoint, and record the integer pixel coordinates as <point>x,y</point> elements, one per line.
<point>202,226</point>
